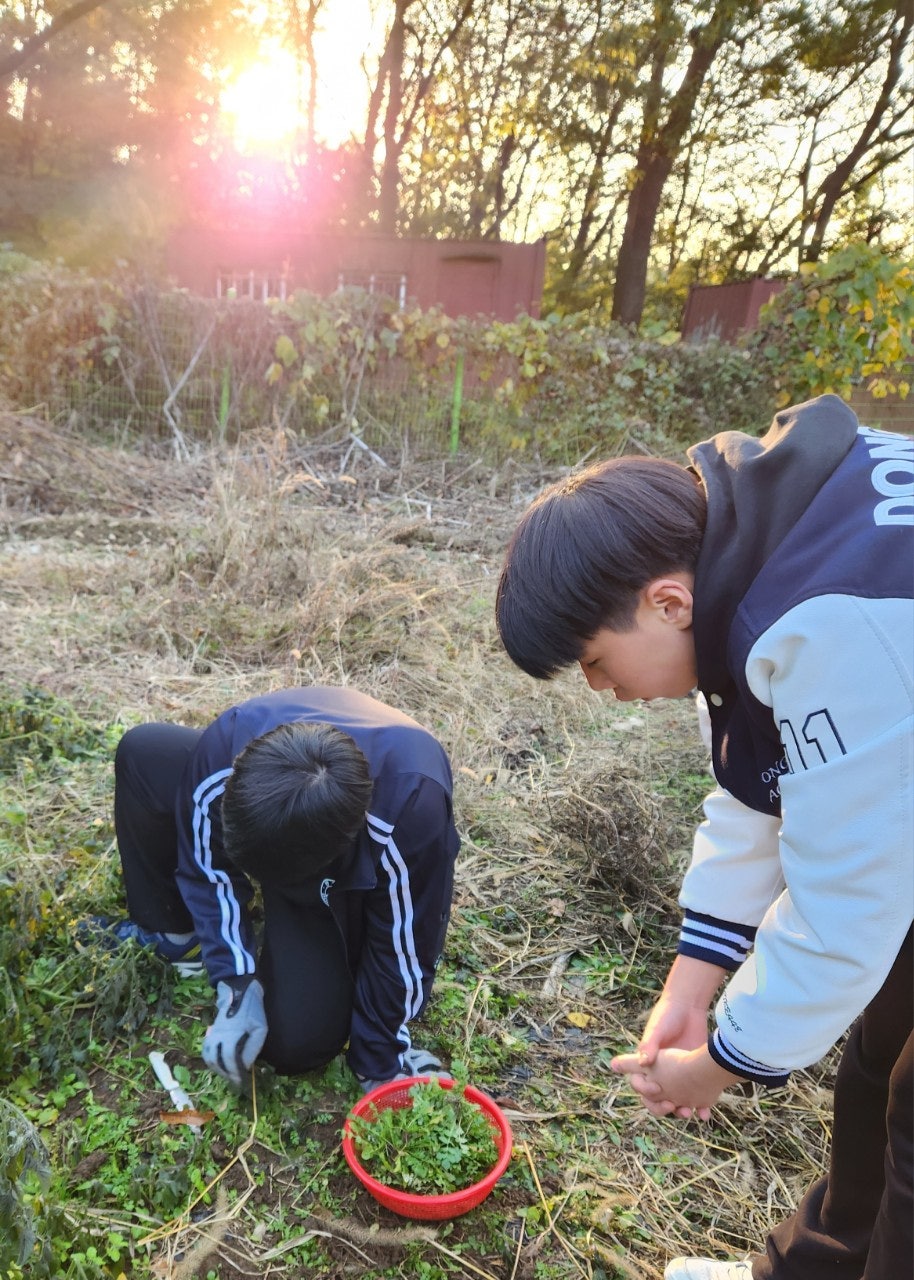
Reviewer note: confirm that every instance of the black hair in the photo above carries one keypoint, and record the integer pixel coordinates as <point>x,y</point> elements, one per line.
<point>584,550</point>
<point>294,802</point>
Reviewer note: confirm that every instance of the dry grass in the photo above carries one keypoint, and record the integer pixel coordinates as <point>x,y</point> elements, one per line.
<point>140,588</point>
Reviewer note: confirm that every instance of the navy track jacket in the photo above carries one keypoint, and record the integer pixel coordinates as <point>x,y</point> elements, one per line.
<point>802,875</point>
<point>392,903</point>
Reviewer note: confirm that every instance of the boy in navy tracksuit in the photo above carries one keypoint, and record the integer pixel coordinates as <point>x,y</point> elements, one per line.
<point>775,576</point>
<point>339,808</point>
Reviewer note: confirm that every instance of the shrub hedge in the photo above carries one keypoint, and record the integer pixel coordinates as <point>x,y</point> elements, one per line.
<point>129,357</point>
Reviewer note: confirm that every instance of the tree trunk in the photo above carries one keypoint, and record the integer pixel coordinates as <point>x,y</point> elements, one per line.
<point>660,144</point>
<point>314,7</point>
<point>637,237</point>
<point>389,190</point>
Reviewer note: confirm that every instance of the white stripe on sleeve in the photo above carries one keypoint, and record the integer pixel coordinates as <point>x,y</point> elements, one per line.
<point>229,907</point>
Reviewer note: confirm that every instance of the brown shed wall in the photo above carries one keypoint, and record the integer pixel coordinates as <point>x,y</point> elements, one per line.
<point>726,310</point>
<point>462,277</point>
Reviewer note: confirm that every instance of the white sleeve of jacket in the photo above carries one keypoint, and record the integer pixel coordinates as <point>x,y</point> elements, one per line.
<point>837,673</point>
<point>735,872</point>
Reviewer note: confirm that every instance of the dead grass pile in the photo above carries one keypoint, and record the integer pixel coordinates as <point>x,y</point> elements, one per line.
<point>617,830</point>
<point>48,471</point>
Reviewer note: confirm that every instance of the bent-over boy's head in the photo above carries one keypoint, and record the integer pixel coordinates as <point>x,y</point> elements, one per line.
<point>585,551</point>
<point>295,801</point>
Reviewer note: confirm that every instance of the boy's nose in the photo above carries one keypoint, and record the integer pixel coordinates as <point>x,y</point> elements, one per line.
<point>597,679</point>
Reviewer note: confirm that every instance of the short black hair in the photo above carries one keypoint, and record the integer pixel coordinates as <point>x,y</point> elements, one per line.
<point>584,550</point>
<point>294,802</point>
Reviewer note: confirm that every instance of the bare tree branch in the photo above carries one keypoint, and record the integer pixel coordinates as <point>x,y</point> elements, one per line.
<point>26,55</point>
<point>834,185</point>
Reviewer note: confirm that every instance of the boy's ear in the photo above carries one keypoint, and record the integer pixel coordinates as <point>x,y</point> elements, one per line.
<point>671,599</point>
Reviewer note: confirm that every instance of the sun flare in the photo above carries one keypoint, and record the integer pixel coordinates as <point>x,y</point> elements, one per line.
<point>263,104</point>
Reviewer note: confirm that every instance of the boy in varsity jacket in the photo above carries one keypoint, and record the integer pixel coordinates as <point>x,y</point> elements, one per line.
<point>775,576</point>
<point>338,809</point>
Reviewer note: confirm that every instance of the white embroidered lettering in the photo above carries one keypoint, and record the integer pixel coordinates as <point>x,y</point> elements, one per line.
<point>892,477</point>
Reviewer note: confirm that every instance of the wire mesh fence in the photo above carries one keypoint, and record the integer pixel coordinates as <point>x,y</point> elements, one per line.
<point>171,365</point>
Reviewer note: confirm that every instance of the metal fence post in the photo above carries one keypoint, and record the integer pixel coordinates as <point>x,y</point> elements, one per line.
<point>456,403</point>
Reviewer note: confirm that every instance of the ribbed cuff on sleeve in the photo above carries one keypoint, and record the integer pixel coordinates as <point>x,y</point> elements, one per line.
<point>731,1059</point>
<point>719,942</point>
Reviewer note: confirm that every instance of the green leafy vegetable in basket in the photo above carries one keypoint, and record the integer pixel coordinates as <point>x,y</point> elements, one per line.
<point>440,1144</point>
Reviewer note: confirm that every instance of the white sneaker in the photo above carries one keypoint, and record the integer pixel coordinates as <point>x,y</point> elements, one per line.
<point>706,1269</point>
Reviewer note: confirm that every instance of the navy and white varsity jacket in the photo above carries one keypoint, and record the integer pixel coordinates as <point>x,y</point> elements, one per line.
<point>802,874</point>
<point>392,903</point>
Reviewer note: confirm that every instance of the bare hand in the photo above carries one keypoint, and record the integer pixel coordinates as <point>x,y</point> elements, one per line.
<point>679,1082</point>
<point>673,1024</point>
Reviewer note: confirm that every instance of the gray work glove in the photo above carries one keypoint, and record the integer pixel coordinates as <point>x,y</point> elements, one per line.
<point>232,1043</point>
<point>416,1062</point>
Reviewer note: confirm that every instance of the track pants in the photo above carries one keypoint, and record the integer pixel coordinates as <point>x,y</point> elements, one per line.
<point>856,1223</point>
<point>302,962</point>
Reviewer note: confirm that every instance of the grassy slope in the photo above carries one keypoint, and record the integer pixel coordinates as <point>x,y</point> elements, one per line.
<point>138,589</point>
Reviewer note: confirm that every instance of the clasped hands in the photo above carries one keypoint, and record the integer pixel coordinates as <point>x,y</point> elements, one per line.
<point>671,1070</point>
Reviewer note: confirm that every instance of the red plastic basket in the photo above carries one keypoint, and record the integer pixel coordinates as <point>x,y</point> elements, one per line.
<point>395,1093</point>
